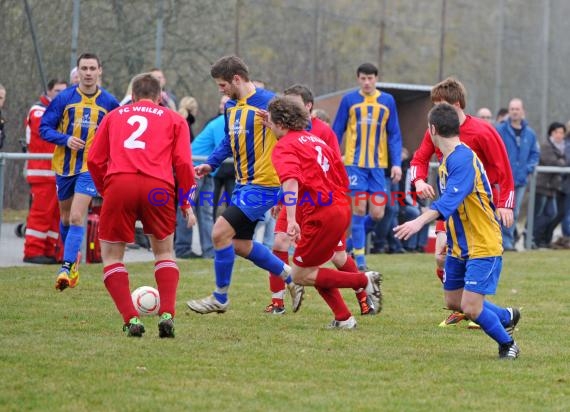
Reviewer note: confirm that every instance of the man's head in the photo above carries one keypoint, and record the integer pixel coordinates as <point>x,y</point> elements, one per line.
<point>450,91</point>
<point>2,95</point>
<point>55,86</point>
<point>146,86</point>
<point>89,70</point>
<point>516,110</point>
<point>367,75</point>
<point>287,113</point>
<point>230,73</point>
<point>485,114</point>
<point>302,93</point>
<point>156,72</point>
<point>443,121</point>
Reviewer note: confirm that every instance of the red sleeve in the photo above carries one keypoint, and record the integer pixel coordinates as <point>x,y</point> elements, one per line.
<point>287,164</point>
<point>98,157</point>
<point>496,161</point>
<point>182,160</point>
<point>419,166</point>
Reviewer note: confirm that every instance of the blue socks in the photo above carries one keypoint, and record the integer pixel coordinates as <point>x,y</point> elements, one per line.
<point>369,224</point>
<point>263,258</point>
<point>503,314</point>
<point>358,239</point>
<point>223,266</point>
<point>63,231</point>
<point>73,240</point>
<point>491,324</point>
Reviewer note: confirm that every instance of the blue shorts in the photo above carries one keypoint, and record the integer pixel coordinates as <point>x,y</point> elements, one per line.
<point>362,179</point>
<point>479,275</point>
<point>67,186</point>
<point>254,200</point>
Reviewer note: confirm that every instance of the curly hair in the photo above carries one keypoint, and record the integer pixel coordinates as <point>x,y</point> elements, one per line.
<point>288,113</point>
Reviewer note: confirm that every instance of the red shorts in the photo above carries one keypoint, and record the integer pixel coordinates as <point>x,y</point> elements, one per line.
<point>439,226</point>
<point>131,197</point>
<point>281,222</point>
<point>322,234</point>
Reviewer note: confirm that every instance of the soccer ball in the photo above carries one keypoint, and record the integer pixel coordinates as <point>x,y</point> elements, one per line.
<point>146,300</point>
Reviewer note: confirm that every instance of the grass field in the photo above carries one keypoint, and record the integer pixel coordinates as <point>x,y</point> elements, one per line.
<point>66,351</point>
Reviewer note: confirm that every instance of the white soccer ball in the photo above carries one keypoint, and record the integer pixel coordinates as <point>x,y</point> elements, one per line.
<point>146,300</point>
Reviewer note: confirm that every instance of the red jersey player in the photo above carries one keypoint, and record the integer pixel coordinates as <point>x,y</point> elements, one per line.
<point>137,148</point>
<point>42,244</point>
<point>303,95</point>
<point>484,140</point>
<point>314,183</point>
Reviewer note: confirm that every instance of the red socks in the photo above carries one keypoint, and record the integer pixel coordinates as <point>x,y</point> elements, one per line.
<point>331,278</point>
<point>166,274</point>
<point>116,279</point>
<point>276,283</point>
<point>336,302</point>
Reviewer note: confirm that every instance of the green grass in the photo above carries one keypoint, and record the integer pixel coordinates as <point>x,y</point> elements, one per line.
<point>66,351</point>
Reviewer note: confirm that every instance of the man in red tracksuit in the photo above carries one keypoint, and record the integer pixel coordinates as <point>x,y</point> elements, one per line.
<point>42,244</point>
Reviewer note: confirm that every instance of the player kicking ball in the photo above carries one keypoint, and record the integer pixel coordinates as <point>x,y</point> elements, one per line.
<point>314,183</point>
<point>474,243</point>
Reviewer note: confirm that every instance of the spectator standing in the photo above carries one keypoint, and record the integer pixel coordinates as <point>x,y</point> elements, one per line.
<point>126,171</point>
<point>70,121</point>
<point>42,244</point>
<point>523,151</point>
<point>167,97</point>
<point>550,197</point>
<point>368,119</point>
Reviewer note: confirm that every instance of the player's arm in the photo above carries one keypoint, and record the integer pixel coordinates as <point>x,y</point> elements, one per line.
<point>50,123</point>
<point>291,194</point>
<point>408,229</point>
<point>419,167</point>
<point>182,166</point>
<point>394,142</point>
<point>496,154</point>
<point>341,119</point>
<point>98,157</point>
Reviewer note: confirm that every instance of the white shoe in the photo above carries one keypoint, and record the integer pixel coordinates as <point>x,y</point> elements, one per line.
<point>350,323</point>
<point>374,289</point>
<point>297,293</point>
<point>208,305</point>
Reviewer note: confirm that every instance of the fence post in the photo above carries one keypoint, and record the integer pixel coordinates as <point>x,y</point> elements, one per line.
<point>530,211</point>
<point>2,163</point>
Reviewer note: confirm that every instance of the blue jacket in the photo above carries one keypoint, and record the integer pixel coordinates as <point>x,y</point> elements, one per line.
<point>523,157</point>
<point>210,137</point>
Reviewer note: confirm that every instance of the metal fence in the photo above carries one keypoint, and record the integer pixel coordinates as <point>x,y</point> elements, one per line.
<point>433,165</point>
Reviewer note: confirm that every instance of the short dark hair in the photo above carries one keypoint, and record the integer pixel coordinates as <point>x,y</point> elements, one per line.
<point>445,119</point>
<point>503,111</point>
<point>450,91</point>
<point>367,68</point>
<point>288,113</point>
<point>146,86</point>
<point>89,56</point>
<point>51,84</point>
<point>555,125</point>
<point>300,90</point>
<point>229,66</point>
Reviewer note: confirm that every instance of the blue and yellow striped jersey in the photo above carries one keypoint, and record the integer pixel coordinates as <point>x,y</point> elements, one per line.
<point>248,141</point>
<point>73,113</point>
<point>466,202</point>
<point>371,129</point>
